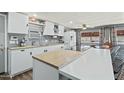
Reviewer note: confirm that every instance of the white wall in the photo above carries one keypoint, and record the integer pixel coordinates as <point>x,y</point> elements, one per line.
<point>120,38</point>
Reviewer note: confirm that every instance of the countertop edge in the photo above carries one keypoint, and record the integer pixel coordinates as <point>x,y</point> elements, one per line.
<point>45,62</point>
<point>53,65</point>
<point>31,47</point>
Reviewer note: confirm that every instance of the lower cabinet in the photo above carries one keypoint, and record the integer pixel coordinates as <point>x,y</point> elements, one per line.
<point>21,60</point>
<point>43,71</point>
<point>37,51</point>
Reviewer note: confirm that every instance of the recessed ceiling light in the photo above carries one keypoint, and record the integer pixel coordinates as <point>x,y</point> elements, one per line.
<point>35,15</point>
<point>70,22</point>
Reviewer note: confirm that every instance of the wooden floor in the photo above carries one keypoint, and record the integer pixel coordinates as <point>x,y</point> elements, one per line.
<point>28,76</point>
<point>24,76</point>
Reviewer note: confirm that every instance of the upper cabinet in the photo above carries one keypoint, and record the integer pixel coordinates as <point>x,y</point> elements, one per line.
<point>17,23</point>
<point>49,28</point>
<point>120,32</point>
<point>56,29</point>
<point>53,29</point>
<point>90,34</point>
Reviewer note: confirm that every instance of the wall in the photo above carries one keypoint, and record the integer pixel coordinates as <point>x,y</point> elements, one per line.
<point>19,36</point>
<point>43,40</point>
<point>120,38</point>
<point>50,40</point>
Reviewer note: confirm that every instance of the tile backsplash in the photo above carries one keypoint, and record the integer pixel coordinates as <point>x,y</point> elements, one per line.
<point>43,40</point>
<point>12,42</point>
<point>47,40</point>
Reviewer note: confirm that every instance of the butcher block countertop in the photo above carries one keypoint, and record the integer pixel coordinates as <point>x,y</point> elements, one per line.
<point>58,58</point>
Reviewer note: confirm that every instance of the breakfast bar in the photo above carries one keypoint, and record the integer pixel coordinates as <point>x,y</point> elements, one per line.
<point>92,64</point>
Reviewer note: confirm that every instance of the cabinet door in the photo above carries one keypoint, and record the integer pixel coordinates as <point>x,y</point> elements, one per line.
<point>61,30</point>
<point>37,51</point>
<point>56,47</point>
<point>49,29</point>
<point>20,61</point>
<point>61,46</point>
<point>17,23</point>
<point>43,71</point>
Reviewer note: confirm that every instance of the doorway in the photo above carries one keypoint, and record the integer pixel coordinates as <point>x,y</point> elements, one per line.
<point>3,50</point>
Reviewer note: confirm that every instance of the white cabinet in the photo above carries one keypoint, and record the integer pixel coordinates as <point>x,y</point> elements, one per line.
<point>17,23</point>
<point>19,61</point>
<point>55,47</point>
<point>37,51</point>
<point>49,28</point>
<point>53,29</point>
<point>43,71</point>
<point>41,50</point>
<point>61,30</point>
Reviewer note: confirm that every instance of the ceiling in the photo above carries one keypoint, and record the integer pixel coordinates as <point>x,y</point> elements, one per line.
<point>76,19</point>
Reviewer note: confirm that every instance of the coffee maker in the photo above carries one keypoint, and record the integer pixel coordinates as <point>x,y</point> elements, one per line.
<point>21,42</point>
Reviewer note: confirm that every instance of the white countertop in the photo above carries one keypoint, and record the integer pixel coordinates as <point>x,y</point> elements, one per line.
<point>27,47</point>
<point>94,64</point>
<point>120,43</point>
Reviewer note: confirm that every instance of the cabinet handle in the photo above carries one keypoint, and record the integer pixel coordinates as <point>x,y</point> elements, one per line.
<point>22,50</point>
<point>45,50</point>
<point>30,53</point>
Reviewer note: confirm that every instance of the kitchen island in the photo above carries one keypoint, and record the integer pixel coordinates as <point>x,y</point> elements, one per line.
<point>93,64</point>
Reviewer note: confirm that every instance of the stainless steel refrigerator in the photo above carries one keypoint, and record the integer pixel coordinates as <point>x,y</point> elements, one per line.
<point>2,42</point>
